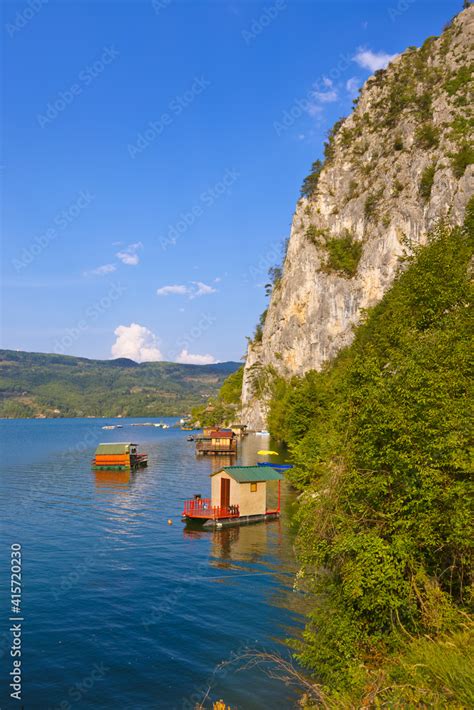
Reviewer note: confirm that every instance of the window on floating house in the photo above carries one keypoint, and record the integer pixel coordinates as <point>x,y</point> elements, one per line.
<point>253,488</point>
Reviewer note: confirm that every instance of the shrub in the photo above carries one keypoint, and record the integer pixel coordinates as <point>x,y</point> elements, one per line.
<point>343,255</point>
<point>427,136</point>
<point>329,146</point>
<point>315,235</point>
<point>371,204</point>
<point>459,80</point>
<point>348,135</point>
<point>352,192</point>
<point>258,334</point>
<point>426,182</point>
<point>461,128</point>
<point>380,444</point>
<point>423,104</point>
<point>461,159</point>
<point>398,143</point>
<point>397,187</point>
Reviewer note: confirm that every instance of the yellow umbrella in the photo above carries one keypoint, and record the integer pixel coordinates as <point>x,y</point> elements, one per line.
<point>263,452</point>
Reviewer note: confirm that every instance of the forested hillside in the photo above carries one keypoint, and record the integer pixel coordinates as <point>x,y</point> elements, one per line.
<point>37,384</point>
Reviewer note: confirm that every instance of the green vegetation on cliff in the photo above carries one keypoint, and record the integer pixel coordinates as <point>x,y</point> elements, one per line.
<point>224,408</point>
<point>37,384</point>
<point>380,441</point>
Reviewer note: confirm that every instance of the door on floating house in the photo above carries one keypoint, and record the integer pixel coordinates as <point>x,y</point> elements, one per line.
<point>225,492</point>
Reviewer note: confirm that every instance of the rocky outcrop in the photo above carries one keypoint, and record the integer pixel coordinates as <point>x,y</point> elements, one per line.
<point>400,163</point>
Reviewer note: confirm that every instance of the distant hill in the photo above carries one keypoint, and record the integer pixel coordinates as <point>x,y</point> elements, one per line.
<point>41,384</point>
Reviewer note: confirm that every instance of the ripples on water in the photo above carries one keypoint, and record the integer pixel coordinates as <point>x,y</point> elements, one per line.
<point>123,610</point>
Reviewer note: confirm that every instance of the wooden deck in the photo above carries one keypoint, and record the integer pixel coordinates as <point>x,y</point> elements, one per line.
<point>202,509</point>
<point>206,447</point>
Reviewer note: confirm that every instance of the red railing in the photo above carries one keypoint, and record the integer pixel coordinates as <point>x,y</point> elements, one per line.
<point>202,508</point>
<point>139,458</point>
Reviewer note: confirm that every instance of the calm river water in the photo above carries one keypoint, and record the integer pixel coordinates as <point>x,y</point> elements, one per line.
<point>121,609</point>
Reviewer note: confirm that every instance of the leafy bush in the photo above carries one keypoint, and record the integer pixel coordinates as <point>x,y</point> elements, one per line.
<point>426,181</point>
<point>398,142</point>
<point>329,146</point>
<point>380,440</point>
<point>371,204</point>
<point>222,409</point>
<point>315,235</point>
<point>461,159</point>
<point>427,136</point>
<point>343,255</point>
<point>258,334</point>
<point>423,104</point>
<point>353,190</point>
<point>459,81</point>
<point>397,187</point>
<point>461,128</point>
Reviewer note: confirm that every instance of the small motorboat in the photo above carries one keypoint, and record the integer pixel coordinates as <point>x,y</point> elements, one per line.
<point>190,438</point>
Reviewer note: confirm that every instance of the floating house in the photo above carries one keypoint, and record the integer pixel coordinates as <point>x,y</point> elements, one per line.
<point>239,494</point>
<point>239,429</point>
<point>117,457</point>
<point>216,442</point>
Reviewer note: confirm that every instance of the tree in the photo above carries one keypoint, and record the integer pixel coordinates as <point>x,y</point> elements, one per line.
<point>310,183</point>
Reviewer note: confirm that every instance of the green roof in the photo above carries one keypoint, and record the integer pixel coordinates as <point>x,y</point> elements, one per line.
<point>251,474</point>
<point>115,448</point>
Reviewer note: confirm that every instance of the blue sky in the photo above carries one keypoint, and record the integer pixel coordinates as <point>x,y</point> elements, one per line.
<point>153,154</point>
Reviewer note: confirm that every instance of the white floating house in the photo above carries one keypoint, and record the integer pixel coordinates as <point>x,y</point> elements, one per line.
<point>239,494</point>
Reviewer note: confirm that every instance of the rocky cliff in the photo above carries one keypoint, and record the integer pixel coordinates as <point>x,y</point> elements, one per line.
<point>400,163</point>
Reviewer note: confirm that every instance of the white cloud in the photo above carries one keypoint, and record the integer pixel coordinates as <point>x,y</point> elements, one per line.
<point>314,109</point>
<point>328,83</point>
<point>136,342</point>
<point>352,86</point>
<point>129,255</point>
<point>101,270</point>
<point>373,61</point>
<point>194,290</point>
<point>326,97</point>
<point>195,359</point>
<point>201,289</point>
<point>175,290</point>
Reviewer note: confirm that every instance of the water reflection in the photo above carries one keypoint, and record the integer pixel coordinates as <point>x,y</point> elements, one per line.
<point>241,543</point>
<point>119,481</point>
<point>220,462</point>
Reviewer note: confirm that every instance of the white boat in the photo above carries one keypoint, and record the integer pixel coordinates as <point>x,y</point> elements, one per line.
<point>262,433</point>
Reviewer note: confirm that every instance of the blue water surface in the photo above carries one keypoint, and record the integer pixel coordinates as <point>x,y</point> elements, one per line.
<point>122,609</point>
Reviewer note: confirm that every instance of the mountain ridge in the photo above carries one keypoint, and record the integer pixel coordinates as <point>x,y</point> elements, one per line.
<point>46,384</point>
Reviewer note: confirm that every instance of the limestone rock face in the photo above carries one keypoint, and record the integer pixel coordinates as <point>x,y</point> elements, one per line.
<point>395,167</point>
